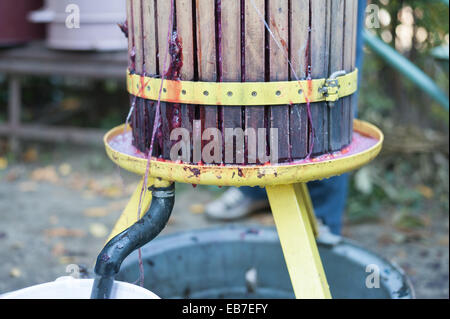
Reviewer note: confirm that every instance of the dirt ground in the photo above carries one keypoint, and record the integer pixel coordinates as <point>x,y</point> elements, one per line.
<point>58,210</point>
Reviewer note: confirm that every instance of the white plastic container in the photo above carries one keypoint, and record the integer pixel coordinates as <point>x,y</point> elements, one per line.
<point>83,24</point>
<point>70,288</point>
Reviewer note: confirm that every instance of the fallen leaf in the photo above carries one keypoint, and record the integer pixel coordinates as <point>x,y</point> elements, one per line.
<point>3,163</point>
<point>171,221</point>
<point>426,191</point>
<point>443,241</point>
<point>265,219</point>
<point>30,156</point>
<point>408,269</point>
<point>71,104</point>
<point>12,176</point>
<point>94,186</point>
<point>77,182</point>
<point>64,232</point>
<point>98,230</point>
<point>65,169</point>
<point>58,250</point>
<point>28,187</point>
<point>197,209</point>
<point>386,239</point>
<point>67,260</point>
<point>112,191</point>
<point>96,212</point>
<point>15,272</point>
<point>406,222</point>
<point>46,174</point>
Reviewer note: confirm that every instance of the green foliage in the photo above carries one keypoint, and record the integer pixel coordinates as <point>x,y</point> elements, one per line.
<point>409,184</point>
<point>423,26</point>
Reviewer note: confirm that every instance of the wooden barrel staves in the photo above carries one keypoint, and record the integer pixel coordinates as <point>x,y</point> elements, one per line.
<point>242,41</point>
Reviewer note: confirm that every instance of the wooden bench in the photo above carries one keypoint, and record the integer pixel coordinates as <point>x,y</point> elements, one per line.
<point>36,60</point>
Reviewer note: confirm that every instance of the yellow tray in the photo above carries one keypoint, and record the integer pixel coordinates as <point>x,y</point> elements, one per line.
<point>255,175</point>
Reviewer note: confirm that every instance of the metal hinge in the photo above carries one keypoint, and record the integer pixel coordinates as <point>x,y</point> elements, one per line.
<point>330,89</point>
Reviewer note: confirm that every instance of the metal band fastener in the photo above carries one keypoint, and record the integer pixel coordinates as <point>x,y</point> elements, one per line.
<point>329,90</point>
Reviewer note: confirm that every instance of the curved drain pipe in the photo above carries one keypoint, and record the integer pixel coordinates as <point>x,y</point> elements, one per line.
<point>117,249</point>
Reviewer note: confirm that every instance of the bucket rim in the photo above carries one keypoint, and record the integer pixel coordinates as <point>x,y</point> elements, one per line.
<point>396,281</point>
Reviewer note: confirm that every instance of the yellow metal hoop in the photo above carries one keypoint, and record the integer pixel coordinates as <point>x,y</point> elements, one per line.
<point>246,93</point>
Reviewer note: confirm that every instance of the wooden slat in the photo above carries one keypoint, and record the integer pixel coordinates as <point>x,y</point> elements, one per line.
<point>130,20</point>
<point>206,56</point>
<point>132,67</point>
<point>140,103</point>
<point>14,111</point>
<point>320,29</point>
<point>84,136</point>
<point>254,63</point>
<point>354,45</point>
<point>348,62</point>
<point>337,120</point>
<point>298,113</point>
<point>150,66</point>
<point>186,34</point>
<point>137,31</point>
<point>163,18</point>
<point>231,68</point>
<point>279,71</point>
<point>148,8</point>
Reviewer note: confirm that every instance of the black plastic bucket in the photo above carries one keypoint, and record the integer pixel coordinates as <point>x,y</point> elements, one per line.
<point>213,263</point>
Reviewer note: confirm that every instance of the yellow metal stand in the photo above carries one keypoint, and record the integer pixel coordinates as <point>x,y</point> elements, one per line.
<point>129,215</point>
<point>287,191</point>
<point>296,225</point>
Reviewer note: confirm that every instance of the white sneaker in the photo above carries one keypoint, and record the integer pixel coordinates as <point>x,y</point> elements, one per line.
<point>232,205</point>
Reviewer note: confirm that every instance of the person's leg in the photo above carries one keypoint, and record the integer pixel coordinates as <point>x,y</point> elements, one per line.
<point>236,203</point>
<point>329,199</point>
<point>255,193</point>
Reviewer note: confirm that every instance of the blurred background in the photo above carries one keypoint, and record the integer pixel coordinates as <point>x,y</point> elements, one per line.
<point>58,200</point>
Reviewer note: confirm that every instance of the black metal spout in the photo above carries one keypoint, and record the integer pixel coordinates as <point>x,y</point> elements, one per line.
<point>143,231</point>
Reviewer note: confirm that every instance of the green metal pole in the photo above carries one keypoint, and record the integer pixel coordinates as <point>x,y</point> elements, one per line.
<point>407,68</point>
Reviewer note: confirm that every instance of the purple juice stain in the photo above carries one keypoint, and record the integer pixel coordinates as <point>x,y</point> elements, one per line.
<point>124,28</point>
<point>176,57</point>
<point>173,114</point>
<point>360,143</point>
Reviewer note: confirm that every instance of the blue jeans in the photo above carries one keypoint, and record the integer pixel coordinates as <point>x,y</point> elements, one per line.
<point>329,197</point>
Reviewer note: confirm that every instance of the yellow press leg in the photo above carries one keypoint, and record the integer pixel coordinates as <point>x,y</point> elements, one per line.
<point>129,215</point>
<point>302,195</point>
<point>294,218</point>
